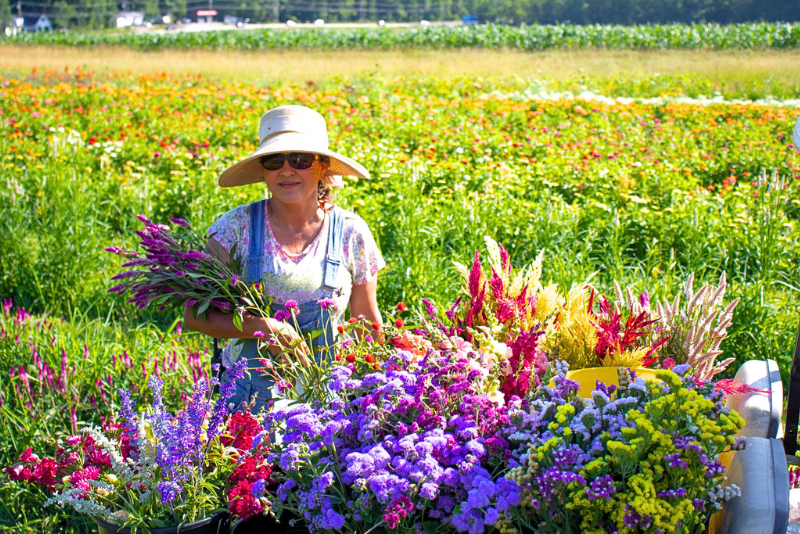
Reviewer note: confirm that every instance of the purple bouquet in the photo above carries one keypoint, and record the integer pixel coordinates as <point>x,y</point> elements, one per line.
<point>411,446</point>
<point>175,271</point>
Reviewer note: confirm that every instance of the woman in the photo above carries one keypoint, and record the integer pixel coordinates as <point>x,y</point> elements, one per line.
<point>312,257</point>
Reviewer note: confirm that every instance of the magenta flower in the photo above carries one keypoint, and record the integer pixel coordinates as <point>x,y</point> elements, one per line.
<point>282,315</point>
<point>180,222</point>
<point>292,306</point>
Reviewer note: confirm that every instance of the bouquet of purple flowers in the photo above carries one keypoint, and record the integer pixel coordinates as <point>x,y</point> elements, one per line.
<point>410,447</point>
<point>175,271</point>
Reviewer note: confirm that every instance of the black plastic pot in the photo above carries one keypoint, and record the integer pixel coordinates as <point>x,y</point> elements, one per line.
<point>260,524</point>
<point>216,524</point>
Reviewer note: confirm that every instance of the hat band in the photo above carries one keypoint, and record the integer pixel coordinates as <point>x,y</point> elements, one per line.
<point>293,124</point>
<point>291,141</point>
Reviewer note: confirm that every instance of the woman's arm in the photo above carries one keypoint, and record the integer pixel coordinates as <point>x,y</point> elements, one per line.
<point>364,301</point>
<point>220,325</point>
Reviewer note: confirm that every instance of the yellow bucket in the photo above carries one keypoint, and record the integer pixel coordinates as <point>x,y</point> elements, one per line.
<point>588,377</point>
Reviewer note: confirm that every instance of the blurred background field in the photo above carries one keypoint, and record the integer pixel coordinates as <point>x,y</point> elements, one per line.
<point>634,166</point>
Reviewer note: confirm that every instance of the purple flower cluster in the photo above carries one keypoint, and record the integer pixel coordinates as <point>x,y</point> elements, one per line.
<point>178,273</point>
<point>181,440</point>
<point>406,444</point>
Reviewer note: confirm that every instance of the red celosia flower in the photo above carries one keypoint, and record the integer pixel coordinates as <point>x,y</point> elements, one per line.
<point>526,364</point>
<point>505,310</point>
<point>399,323</point>
<point>350,358</point>
<point>496,283</point>
<point>401,306</point>
<point>376,325</point>
<point>369,358</point>
<point>340,328</point>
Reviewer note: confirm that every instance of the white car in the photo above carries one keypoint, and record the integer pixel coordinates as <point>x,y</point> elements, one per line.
<point>291,23</point>
<point>381,23</point>
<point>424,23</point>
<point>319,22</point>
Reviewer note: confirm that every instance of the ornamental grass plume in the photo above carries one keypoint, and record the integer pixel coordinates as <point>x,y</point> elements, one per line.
<point>697,328</point>
<point>639,459</point>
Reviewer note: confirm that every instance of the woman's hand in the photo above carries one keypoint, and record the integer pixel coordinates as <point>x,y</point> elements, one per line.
<point>288,342</point>
<point>364,302</point>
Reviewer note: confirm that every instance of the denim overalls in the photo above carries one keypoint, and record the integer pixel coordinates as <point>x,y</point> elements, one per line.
<point>309,317</point>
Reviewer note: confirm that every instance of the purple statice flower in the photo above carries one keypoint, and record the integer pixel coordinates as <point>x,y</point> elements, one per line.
<point>675,461</point>
<point>677,493</point>
<point>601,488</point>
<point>144,219</point>
<point>180,222</point>
<point>235,278</point>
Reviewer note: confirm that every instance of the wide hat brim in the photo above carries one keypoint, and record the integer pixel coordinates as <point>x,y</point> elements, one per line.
<point>250,171</point>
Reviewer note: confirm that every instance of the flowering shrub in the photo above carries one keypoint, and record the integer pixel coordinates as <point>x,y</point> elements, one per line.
<point>410,446</point>
<point>643,458</point>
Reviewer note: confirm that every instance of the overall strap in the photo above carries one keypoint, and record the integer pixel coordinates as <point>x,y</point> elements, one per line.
<point>255,254</point>
<point>335,252</point>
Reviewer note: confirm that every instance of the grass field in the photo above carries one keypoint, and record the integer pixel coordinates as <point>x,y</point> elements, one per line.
<point>460,144</point>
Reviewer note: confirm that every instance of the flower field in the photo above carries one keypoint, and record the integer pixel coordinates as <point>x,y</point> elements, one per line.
<point>535,37</point>
<point>644,191</point>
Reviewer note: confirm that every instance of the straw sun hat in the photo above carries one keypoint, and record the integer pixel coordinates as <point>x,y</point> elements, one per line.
<point>291,129</point>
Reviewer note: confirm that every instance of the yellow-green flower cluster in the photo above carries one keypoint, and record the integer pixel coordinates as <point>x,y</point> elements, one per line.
<point>641,459</point>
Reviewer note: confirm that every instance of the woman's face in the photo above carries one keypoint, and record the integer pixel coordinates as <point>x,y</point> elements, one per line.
<point>295,186</point>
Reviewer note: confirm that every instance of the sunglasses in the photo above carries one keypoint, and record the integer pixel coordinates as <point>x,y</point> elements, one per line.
<point>297,160</point>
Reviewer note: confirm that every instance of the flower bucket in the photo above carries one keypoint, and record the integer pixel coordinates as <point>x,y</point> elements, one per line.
<point>216,524</point>
<point>587,378</point>
<point>261,524</point>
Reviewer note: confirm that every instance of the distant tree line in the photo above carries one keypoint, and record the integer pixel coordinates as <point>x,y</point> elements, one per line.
<point>102,13</point>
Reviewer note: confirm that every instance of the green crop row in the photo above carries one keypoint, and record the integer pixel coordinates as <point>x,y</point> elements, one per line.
<point>528,38</point>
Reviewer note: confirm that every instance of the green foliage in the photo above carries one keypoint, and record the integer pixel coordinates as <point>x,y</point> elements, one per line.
<point>696,36</point>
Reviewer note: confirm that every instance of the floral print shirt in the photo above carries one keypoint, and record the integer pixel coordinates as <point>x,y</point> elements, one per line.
<point>301,277</point>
